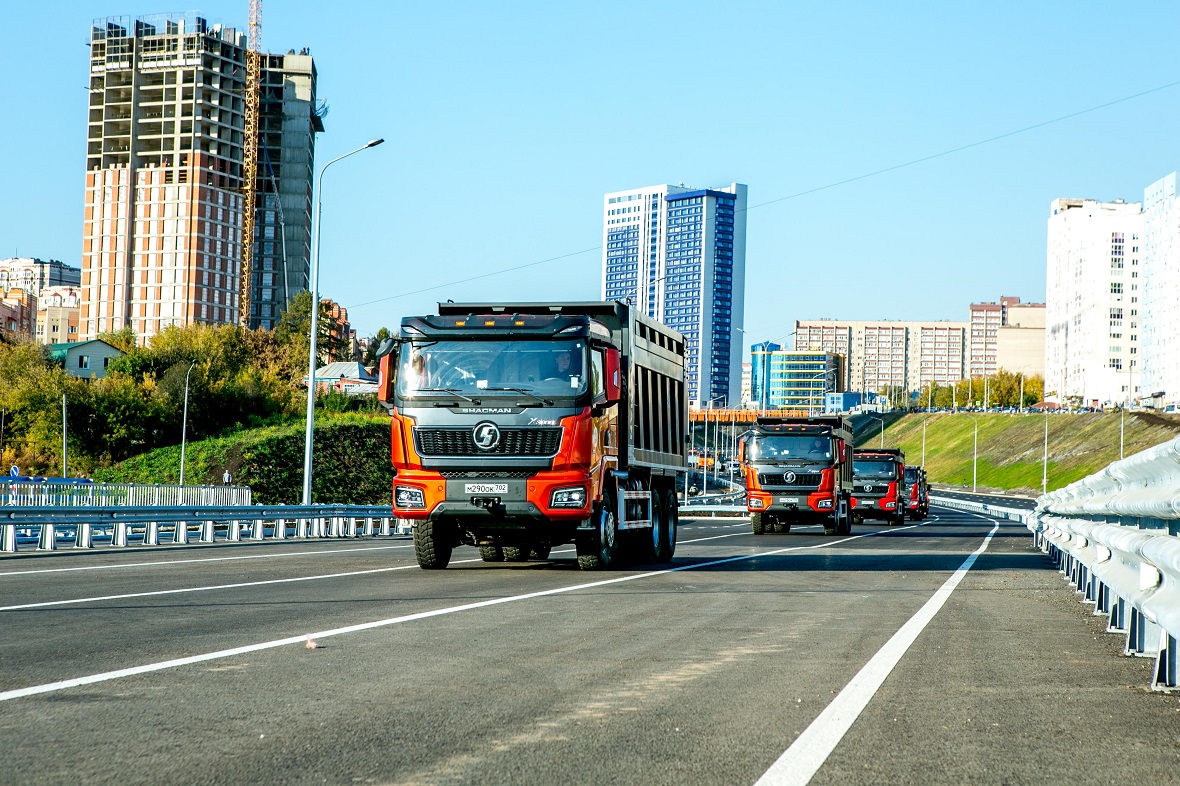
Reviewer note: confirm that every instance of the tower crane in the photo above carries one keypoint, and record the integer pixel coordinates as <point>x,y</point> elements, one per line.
<point>250,159</point>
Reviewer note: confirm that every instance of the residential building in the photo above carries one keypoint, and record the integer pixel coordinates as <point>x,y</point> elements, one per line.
<point>1020,340</point>
<point>790,379</point>
<point>679,254</point>
<point>747,383</point>
<point>33,275</point>
<point>162,224</point>
<point>58,312</point>
<point>85,359</point>
<point>349,378</point>
<point>988,322</point>
<point>1092,308</point>
<point>890,354</point>
<point>18,313</point>
<point>342,335</point>
<point>1159,336</point>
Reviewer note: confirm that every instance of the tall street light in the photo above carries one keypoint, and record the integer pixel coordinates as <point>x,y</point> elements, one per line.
<point>184,424</point>
<point>315,319</point>
<point>882,422</point>
<point>975,456</point>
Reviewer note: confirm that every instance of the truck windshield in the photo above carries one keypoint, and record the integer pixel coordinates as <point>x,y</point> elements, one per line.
<point>911,474</point>
<point>873,469</point>
<point>798,447</point>
<point>492,369</point>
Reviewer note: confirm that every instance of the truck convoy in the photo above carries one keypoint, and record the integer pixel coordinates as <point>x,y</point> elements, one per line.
<point>880,486</point>
<point>919,505</point>
<point>518,427</point>
<point>798,470</point>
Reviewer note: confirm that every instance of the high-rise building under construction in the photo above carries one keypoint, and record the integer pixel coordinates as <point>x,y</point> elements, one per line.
<point>162,236</point>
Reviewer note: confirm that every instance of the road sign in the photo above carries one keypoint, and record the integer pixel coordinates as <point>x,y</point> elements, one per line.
<point>14,471</point>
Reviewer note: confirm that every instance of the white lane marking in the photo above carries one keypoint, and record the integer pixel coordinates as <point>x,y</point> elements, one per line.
<point>205,559</point>
<point>811,749</point>
<point>33,690</point>
<point>213,587</point>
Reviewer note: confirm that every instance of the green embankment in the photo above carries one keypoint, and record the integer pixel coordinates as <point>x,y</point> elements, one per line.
<point>1011,447</point>
<point>351,462</point>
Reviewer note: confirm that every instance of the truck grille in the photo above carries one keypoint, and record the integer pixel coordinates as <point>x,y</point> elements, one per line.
<point>513,442</point>
<point>508,474</point>
<point>780,479</point>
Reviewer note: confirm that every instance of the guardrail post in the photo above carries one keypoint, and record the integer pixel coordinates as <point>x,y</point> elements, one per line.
<point>47,540</point>
<point>8,537</point>
<point>207,534</point>
<point>386,525</point>
<point>84,537</point>
<point>301,526</point>
<point>180,532</point>
<point>337,527</point>
<point>1167,676</point>
<point>1118,616</point>
<point>119,535</point>
<point>368,526</point>
<point>260,529</point>
<point>1102,602</point>
<point>151,534</point>
<point>1140,634</point>
<point>352,526</point>
<point>235,531</point>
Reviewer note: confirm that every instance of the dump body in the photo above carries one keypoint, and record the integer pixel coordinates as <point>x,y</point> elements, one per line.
<point>880,490</point>
<point>798,470</point>
<point>517,426</point>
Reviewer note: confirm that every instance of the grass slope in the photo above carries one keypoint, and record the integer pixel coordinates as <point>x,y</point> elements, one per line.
<point>351,463</point>
<point>1011,446</point>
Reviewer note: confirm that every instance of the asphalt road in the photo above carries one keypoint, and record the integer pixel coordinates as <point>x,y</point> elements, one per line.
<point>1024,503</point>
<point>867,659</point>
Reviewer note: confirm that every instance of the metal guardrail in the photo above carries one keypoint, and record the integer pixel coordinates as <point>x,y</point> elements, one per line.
<point>1114,535</point>
<point>35,493</point>
<point>145,525</point>
<point>999,511</point>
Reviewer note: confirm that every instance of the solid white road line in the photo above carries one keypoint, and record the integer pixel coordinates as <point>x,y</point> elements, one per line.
<point>203,559</point>
<point>811,749</point>
<point>266,645</point>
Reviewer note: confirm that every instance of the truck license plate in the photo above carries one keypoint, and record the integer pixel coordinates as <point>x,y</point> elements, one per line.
<point>486,488</point>
<point>788,500</point>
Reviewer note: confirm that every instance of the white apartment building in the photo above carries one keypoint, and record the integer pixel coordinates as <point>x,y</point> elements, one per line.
<point>884,354</point>
<point>1159,339</point>
<point>679,254</point>
<point>1092,302</point>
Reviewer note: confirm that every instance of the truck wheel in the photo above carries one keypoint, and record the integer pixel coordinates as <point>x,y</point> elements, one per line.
<point>842,518</point>
<point>516,553</point>
<point>598,551</point>
<point>757,524</point>
<point>649,550</point>
<point>540,552</point>
<point>491,553</point>
<point>670,508</point>
<point>432,545</point>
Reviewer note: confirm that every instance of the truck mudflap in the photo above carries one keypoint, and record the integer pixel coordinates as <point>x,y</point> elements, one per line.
<point>554,496</point>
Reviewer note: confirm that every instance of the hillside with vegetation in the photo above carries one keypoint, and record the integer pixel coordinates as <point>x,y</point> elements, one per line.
<point>1011,446</point>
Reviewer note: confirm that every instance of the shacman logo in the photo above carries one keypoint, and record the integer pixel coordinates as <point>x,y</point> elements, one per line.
<point>868,488</point>
<point>486,435</point>
<point>790,477</point>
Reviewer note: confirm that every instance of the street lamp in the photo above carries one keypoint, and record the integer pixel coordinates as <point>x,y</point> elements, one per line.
<point>315,315</point>
<point>184,423</point>
<point>882,422</point>
<point>975,456</point>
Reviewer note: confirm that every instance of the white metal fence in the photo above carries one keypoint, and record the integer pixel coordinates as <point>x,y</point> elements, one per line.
<point>72,495</point>
<point>1114,535</point>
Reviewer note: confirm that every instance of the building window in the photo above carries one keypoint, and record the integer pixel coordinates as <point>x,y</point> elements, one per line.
<point>83,361</point>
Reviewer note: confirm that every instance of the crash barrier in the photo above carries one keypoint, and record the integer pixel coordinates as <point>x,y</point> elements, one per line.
<point>82,494</point>
<point>1114,536</point>
<point>151,525</point>
<point>999,511</point>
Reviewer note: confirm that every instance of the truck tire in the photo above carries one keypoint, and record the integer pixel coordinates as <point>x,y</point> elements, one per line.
<point>540,552</point>
<point>598,551</point>
<point>842,518</point>
<point>516,553</point>
<point>671,512</point>
<point>432,545</point>
<point>757,523</point>
<point>491,553</point>
<point>649,546</point>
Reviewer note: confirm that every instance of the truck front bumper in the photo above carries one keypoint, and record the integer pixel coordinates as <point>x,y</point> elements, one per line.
<point>546,496</point>
<point>794,502</point>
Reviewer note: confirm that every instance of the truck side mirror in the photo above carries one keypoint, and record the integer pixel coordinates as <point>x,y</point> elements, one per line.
<point>741,451</point>
<point>613,374</point>
<point>386,373</point>
<point>843,454</point>
<point>385,347</point>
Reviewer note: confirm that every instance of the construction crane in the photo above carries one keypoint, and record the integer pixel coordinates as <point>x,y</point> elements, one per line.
<point>250,158</point>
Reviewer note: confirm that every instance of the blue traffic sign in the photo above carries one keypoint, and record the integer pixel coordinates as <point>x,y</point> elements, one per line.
<point>14,471</point>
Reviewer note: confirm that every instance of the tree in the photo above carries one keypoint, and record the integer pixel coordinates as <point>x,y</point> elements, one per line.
<point>369,358</point>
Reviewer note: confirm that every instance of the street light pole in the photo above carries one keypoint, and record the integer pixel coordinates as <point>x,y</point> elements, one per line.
<point>882,423</point>
<point>184,423</point>
<point>65,463</point>
<point>975,456</point>
<point>315,314</point>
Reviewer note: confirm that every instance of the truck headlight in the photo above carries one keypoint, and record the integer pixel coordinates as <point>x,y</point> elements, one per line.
<point>824,503</point>
<point>568,498</point>
<point>408,497</point>
<point>889,505</point>
<point>755,502</point>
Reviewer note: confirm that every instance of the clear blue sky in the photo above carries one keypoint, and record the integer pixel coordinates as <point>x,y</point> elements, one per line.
<point>507,122</point>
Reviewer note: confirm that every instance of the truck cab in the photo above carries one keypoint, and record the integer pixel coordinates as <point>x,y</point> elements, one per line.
<point>796,471</point>
<point>880,490</point>
<point>919,497</point>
